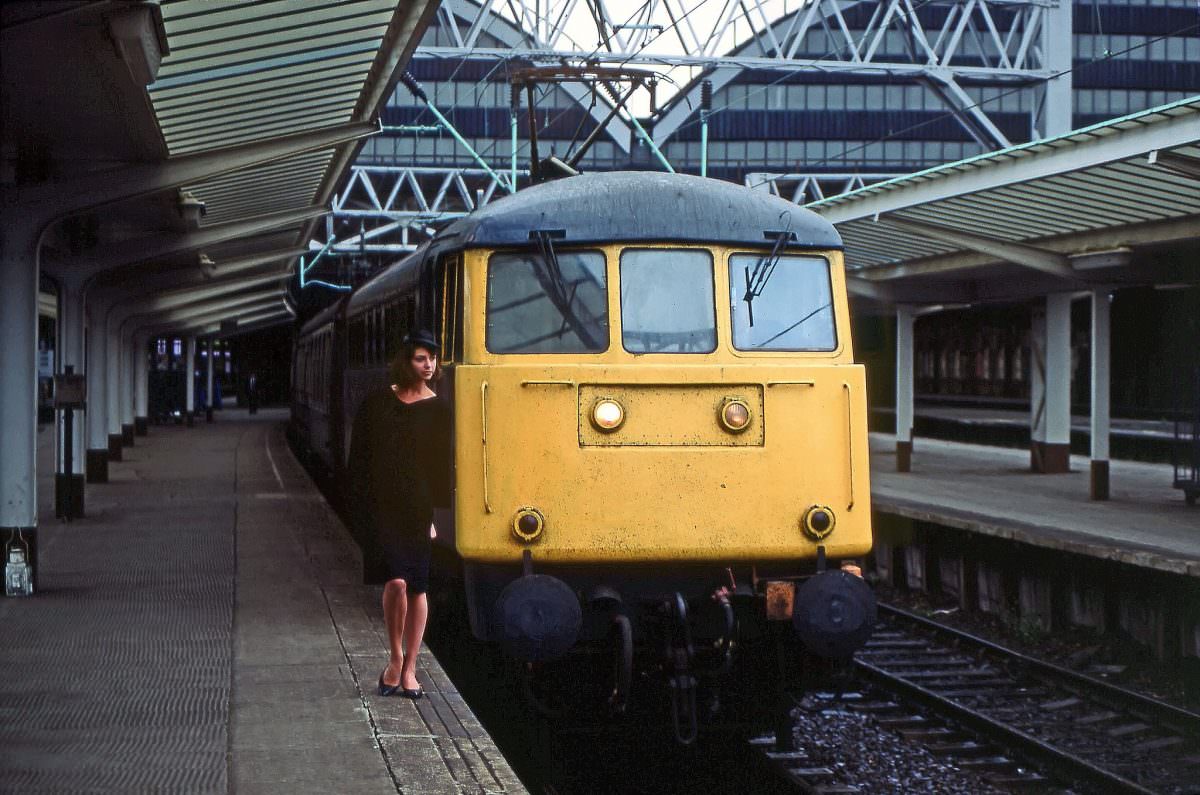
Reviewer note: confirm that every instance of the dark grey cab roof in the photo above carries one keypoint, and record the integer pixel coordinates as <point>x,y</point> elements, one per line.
<point>633,206</point>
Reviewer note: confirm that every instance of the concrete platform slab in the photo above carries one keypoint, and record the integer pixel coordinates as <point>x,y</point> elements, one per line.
<point>203,629</point>
<point>990,490</point>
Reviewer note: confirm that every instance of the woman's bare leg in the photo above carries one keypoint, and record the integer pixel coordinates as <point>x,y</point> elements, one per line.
<point>414,631</point>
<point>395,608</point>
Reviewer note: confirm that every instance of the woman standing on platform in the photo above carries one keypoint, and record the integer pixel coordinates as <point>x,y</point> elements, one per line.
<point>399,468</point>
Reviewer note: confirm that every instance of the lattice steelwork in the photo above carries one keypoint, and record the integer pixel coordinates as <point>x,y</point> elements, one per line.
<point>387,211</point>
<point>1016,41</point>
<point>1023,43</point>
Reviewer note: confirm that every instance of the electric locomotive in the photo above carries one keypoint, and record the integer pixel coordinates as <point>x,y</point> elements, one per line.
<point>660,436</point>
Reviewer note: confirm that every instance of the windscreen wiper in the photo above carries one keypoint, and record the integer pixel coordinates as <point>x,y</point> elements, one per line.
<point>757,281</point>
<point>549,275</point>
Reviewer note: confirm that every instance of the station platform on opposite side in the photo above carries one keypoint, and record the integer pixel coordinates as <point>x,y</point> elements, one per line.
<point>991,491</point>
<point>204,629</point>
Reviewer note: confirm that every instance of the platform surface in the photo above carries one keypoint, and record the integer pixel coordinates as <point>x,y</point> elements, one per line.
<point>991,490</point>
<point>204,629</point>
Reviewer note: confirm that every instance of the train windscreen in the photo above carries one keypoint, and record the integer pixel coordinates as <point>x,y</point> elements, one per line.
<point>782,303</point>
<point>667,301</point>
<point>555,303</point>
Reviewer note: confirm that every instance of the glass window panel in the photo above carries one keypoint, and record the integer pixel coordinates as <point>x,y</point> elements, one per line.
<point>875,97</point>
<point>784,306</point>
<point>667,301</point>
<point>835,97</point>
<point>856,97</point>
<point>533,307</point>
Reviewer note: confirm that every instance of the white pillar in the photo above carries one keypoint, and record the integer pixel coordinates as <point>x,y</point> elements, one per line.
<point>1037,385</point>
<point>128,388</point>
<point>68,485</point>
<point>1056,452</point>
<point>904,387</point>
<point>190,399</point>
<point>97,377</point>
<point>208,392</point>
<point>141,374</point>
<point>1100,393</point>
<point>113,386</point>
<point>19,243</point>
<point>1054,116</point>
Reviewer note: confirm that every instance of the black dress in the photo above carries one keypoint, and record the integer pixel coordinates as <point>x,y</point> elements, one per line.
<point>399,470</point>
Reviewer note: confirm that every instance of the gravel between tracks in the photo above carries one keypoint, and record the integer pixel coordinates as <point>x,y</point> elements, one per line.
<point>875,759</point>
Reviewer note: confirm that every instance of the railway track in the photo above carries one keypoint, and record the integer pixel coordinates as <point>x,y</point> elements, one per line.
<point>1075,728</point>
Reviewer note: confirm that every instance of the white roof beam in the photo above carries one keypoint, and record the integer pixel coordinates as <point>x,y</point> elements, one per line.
<point>1010,167</point>
<point>1021,254</point>
<point>161,246</point>
<point>1180,164</point>
<point>60,197</point>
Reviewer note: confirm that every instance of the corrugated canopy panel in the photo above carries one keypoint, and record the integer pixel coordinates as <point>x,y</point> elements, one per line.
<point>1096,178</point>
<point>240,72</point>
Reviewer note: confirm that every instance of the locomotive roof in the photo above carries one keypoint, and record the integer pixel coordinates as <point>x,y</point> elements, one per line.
<point>640,206</point>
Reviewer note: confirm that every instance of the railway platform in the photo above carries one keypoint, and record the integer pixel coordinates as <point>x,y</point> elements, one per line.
<point>991,491</point>
<point>204,629</point>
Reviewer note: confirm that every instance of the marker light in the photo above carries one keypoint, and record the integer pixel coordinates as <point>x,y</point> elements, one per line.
<point>818,522</point>
<point>735,415</point>
<point>528,525</point>
<point>607,415</point>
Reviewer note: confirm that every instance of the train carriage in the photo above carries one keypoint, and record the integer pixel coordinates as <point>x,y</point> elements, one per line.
<point>655,407</point>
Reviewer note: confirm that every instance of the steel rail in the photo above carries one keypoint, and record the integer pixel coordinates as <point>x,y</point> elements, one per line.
<point>1176,718</point>
<point>1065,764</point>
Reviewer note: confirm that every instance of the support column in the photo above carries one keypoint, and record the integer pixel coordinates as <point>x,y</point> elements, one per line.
<point>190,352</point>
<point>1037,386</point>
<point>97,401</point>
<point>1052,429</point>
<point>18,392</point>
<point>208,391</point>
<point>1054,113</point>
<point>141,375</point>
<point>112,392</point>
<point>1100,393</point>
<point>68,481</point>
<point>904,387</point>
<point>128,387</point>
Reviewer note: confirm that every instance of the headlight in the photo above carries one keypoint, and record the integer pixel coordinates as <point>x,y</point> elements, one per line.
<point>607,415</point>
<point>735,415</point>
<point>528,525</point>
<point>818,522</point>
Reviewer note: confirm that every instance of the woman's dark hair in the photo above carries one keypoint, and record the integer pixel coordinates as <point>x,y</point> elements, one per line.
<point>400,369</point>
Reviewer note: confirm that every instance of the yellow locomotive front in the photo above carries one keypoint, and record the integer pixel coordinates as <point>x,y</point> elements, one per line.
<point>616,412</point>
<point>656,412</point>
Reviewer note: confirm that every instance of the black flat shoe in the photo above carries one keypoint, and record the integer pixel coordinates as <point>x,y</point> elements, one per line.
<point>391,690</point>
<point>413,694</point>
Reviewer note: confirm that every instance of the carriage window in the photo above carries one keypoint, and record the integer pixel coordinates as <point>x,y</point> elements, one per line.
<point>667,301</point>
<point>785,305</point>
<point>535,306</point>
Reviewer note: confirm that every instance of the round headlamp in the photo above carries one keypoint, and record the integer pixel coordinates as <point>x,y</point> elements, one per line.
<point>607,415</point>
<point>735,415</point>
<point>817,522</point>
<point>528,524</point>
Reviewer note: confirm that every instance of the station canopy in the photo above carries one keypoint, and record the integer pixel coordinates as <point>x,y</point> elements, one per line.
<point>1115,204</point>
<point>240,72</point>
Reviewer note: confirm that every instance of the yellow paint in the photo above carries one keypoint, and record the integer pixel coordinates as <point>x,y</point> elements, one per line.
<point>671,484</point>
